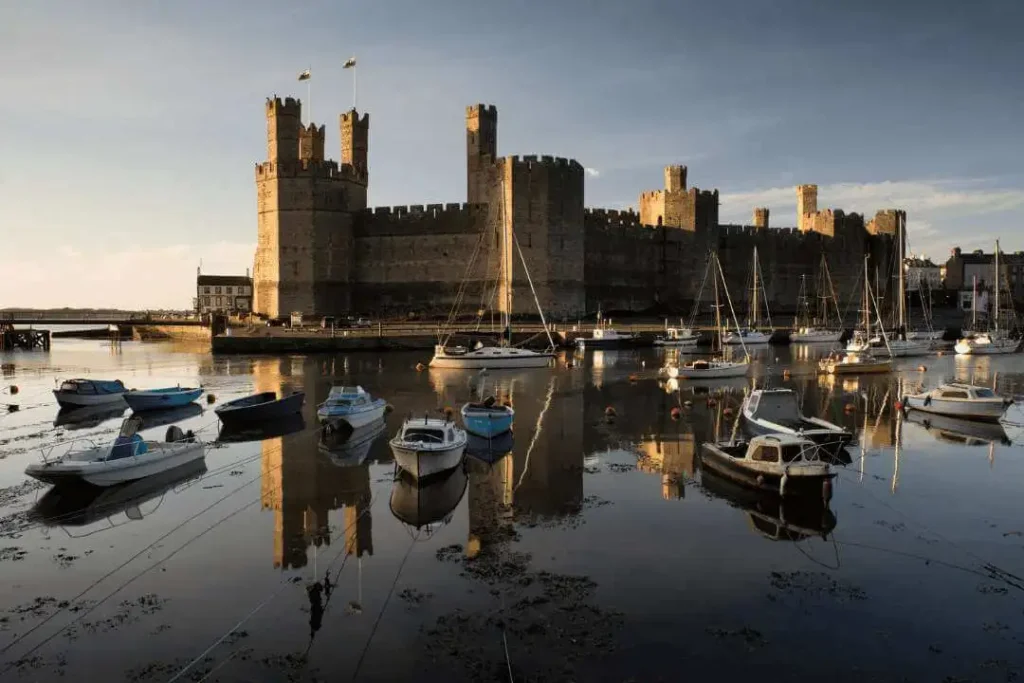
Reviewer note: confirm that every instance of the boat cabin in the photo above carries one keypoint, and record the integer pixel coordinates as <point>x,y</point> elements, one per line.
<point>675,334</point>
<point>88,387</point>
<point>348,397</point>
<point>963,392</point>
<point>429,432</point>
<point>773,448</point>
<point>775,405</point>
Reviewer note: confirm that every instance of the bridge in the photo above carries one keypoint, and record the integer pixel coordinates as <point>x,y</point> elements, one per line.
<point>8,318</point>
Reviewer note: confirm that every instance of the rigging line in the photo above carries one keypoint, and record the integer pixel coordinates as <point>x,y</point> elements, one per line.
<point>95,583</point>
<point>285,583</point>
<point>533,290</point>
<point>383,607</point>
<point>117,590</point>
<point>997,569</point>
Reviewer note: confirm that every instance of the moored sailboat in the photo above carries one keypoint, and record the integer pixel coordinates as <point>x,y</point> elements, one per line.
<point>807,332</point>
<point>718,367</point>
<point>751,334</point>
<point>996,340</point>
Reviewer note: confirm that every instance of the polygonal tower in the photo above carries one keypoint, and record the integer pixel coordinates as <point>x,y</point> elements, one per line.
<point>481,149</point>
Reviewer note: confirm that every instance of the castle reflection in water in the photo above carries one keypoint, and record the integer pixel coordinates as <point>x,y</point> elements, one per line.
<point>560,419</point>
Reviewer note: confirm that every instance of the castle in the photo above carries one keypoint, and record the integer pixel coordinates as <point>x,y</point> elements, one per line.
<point>322,251</point>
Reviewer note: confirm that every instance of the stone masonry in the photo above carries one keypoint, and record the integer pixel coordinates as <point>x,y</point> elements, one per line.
<point>322,251</point>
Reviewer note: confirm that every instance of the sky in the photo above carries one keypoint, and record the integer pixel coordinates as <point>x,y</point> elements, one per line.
<point>130,130</point>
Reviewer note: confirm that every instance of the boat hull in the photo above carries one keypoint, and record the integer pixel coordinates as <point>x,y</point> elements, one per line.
<point>487,424</point>
<point>72,400</point>
<point>752,339</point>
<point>140,401</point>
<point>910,347</point>
<point>422,463</point>
<point>235,413</point>
<point>719,372</point>
<point>676,342</point>
<point>620,343</point>
<point>822,337</point>
<point>831,441</point>
<point>797,485</point>
<point>474,360</point>
<point>864,368</point>
<point>355,420</point>
<point>968,347</point>
<point>160,458</point>
<point>972,410</point>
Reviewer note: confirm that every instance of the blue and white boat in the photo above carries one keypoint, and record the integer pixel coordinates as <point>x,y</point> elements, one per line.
<point>487,419</point>
<point>352,406</point>
<point>159,399</point>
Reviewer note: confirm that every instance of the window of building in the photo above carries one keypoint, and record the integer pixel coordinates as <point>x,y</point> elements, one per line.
<point>217,289</point>
<point>206,290</point>
<point>227,290</point>
<point>206,299</point>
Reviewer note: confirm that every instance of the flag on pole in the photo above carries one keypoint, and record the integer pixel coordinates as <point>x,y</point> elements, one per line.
<point>349,63</point>
<point>305,75</point>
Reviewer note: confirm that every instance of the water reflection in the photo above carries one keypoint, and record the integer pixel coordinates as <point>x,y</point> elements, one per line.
<point>422,505</point>
<point>953,430</point>
<point>80,505</point>
<point>349,447</point>
<point>87,417</point>
<point>242,432</point>
<point>775,518</point>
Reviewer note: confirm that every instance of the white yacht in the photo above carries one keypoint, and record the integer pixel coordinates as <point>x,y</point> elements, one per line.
<point>960,400</point>
<point>426,446</point>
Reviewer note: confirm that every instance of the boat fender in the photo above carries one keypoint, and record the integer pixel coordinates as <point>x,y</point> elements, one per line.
<point>826,490</point>
<point>688,404</point>
<point>783,481</point>
<point>760,480</point>
<point>928,400</point>
<point>14,389</point>
<point>388,408</point>
<point>210,398</point>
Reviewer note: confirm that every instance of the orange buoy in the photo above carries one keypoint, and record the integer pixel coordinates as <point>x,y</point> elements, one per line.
<point>941,353</point>
<point>420,367</point>
<point>388,408</point>
<point>675,412</point>
<point>727,412</point>
<point>712,402</point>
<point>632,379</point>
<point>609,412</point>
<point>14,389</point>
<point>210,398</point>
<point>849,407</point>
<point>898,405</point>
<point>785,374</point>
<point>921,368</point>
<point>448,412</point>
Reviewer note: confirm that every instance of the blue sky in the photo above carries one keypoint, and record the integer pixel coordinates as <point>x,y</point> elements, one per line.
<point>130,129</point>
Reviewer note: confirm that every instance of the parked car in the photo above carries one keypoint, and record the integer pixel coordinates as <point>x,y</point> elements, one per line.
<point>280,321</point>
<point>327,321</point>
<point>362,322</point>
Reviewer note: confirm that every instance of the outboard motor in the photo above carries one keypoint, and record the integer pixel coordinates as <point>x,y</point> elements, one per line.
<point>174,434</point>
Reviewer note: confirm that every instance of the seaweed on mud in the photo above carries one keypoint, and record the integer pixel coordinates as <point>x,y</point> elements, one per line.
<point>548,620</point>
<point>12,554</point>
<point>751,637</point>
<point>160,671</point>
<point>816,584</point>
<point>128,612</point>
<point>15,524</point>
<point>414,596</point>
<point>11,494</point>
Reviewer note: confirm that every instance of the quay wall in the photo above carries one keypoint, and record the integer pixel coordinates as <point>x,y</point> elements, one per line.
<point>189,333</point>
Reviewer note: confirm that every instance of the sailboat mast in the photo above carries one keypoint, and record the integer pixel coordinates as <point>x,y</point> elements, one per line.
<point>754,309</point>
<point>999,285</point>
<point>902,324</point>
<point>718,313</point>
<point>867,301</point>
<point>974,302</point>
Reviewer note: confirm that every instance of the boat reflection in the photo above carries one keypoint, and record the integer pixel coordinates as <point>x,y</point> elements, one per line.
<point>350,447</point>
<point>87,417</point>
<point>77,505</point>
<point>958,431</point>
<point>169,416</point>
<point>775,518</point>
<point>426,503</point>
<point>268,430</point>
<point>491,450</point>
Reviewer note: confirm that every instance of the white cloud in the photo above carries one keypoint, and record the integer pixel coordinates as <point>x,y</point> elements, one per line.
<point>592,172</point>
<point>131,278</point>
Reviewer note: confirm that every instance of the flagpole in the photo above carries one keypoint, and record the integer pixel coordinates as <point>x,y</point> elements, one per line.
<point>354,91</point>
<point>309,96</point>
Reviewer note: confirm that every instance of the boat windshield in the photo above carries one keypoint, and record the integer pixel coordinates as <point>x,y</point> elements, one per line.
<point>73,387</point>
<point>776,406</point>
<point>420,434</point>
<point>984,393</point>
<point>792,453</point>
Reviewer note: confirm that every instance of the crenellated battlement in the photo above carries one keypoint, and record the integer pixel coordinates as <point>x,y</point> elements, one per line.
<point>289,105</point>
<point>611,219</point>
<point>422,220</point>
<point>476,110</point>
<point>352,116</point>
<point>531,161</point>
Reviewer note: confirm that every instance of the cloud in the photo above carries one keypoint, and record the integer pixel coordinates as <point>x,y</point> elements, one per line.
<point>132,278</point>
<point>592,172</point>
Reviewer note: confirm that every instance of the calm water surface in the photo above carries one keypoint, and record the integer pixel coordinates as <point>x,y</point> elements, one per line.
<point>595,549</point>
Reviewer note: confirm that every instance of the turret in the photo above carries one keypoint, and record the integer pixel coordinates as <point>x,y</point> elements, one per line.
<point>481,149</point>
<point>806,203</point>
<point>761,217</point>
<point>284,121</point>
<point>355,140</point>
<point>675,178</point>
<point>311,143</point>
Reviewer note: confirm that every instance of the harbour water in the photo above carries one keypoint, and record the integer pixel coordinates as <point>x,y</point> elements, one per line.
<point>595,550</point>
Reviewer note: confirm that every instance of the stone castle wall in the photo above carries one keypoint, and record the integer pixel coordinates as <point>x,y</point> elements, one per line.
<point>320,250</point>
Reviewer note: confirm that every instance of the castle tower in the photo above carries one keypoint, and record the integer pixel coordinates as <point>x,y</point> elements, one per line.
<point>675,178</point>
<point>311,144</point>
<point>355,156</point>
<point>481,149</point>
<point>761,217</point>
<point>806,203</point>
<point>284,121</point>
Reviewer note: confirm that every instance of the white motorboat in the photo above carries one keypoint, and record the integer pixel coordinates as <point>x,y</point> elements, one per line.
<point>352,406</point>
<point>504,355</point>
<point>1012,422</point>
<point>782,464</point>
<point>960,400</point>
<point>675,336</point>
<point>813,335</point>
<point>426,446</point>
<point>777,411</point>
<point>605,337</point>
<point>89,392</point>
<point>128,458</point>
<point>902,348</point>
